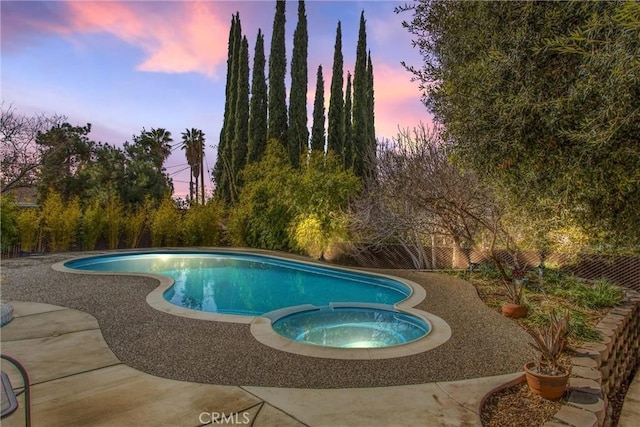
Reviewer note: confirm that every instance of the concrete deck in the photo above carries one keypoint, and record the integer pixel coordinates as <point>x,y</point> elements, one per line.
<point>77,381</point>
<point>631,407</point>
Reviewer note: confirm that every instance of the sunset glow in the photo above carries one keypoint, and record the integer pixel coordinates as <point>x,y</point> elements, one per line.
<point>125,65</point>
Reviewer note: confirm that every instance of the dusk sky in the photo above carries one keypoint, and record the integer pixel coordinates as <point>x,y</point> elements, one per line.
<point>125,65</point>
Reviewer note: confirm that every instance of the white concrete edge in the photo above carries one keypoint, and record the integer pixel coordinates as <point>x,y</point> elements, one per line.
<point>439,334</point>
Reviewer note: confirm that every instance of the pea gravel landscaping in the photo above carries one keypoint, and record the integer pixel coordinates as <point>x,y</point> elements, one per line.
<point>483,343</point>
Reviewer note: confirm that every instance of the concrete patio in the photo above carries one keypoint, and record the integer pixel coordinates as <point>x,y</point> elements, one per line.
<point>99,354</point>
<point>77,381</point>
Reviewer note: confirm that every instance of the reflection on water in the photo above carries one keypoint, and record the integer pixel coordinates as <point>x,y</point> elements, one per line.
<point>350,327</point>
<point>249,284</point>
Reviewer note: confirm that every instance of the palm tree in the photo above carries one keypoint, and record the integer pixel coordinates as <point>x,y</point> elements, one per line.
<point>160,145</point>
<point>192,160</point>
<point>193,144</point>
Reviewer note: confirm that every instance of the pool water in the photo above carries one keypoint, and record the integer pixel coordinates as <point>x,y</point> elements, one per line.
<point>247,284</point>
<point>351,327</point>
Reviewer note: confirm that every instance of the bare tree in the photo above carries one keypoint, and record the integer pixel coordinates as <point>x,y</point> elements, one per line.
<point>20,157</point>
<point>418,194</point>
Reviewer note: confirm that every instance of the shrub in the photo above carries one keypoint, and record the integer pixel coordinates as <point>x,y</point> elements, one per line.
<point>8,219</point>
<point>314,237</point>
<point>28,224</point>
<point>114,213</point>
<point>201,224</point>
<point>136,221</point>
<point>93,224</point>
<point>60,221</point>
<point>166,224</point>
<point>265,207</point>
<point>308,236</point>
<point>487,270</point>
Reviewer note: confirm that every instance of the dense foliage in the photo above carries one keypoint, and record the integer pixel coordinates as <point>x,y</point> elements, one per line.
<point>53,154</point>
<point>542,101</point>
<point>278,202</point>
<point>8,222</point>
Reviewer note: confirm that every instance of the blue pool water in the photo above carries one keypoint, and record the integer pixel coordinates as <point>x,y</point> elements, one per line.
<point>351,327</point>
<point>247,284</point>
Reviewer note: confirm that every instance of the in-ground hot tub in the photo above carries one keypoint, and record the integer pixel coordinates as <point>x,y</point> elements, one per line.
<point>349,326</point>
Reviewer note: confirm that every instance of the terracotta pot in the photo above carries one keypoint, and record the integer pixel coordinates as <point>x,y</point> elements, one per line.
<point>550,387</point>
<point>514,311</point>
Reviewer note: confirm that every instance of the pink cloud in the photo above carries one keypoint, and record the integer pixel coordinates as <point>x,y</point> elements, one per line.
<point>178,37</point>
<point>393,82</point>
<point>397,100</point>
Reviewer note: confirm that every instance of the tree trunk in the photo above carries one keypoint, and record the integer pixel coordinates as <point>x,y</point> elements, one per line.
<point>202,173</point>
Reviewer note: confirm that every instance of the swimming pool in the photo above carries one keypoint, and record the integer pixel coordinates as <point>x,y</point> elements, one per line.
<point>350,314</point>
<point>249,284</point>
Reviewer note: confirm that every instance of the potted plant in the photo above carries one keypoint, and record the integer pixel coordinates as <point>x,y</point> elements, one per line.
<point>545,376</point>
<point>515,307</point>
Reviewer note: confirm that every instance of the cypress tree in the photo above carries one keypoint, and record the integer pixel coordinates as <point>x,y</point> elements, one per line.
<point>258,113</point>
<point>230,130</point>
<point>298,138</point>
<point>317,130</point>
<point>241,134</point>
<point>371,132</point>
<point>277,69</point>
<point>220,171</point>
<point>335,134</point>
<point>360,103</point>
<point>348,143</point>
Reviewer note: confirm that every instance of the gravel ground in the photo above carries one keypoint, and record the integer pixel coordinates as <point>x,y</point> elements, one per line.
<point>482,344</point>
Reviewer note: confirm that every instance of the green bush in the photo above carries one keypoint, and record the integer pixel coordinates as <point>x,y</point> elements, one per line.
<point>60,221</point>
<point>114,215</point>
<point>166,224</point>
<point>314,237</point>
<point>487,270</point>
<point>308,235</point>
<point>265,208</point>
<point>283,208</point>
<point>201,224</point>
<point>93,224</point>
<point>28,224</point>
<point>8,222</point>
<point>136,221</point>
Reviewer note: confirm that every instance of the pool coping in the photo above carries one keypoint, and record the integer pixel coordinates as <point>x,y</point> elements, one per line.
<point>260,326</point>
